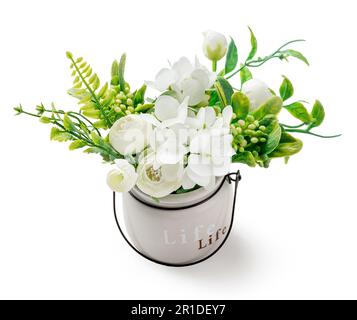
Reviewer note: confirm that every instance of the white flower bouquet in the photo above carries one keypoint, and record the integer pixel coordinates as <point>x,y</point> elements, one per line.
<point>189,134</point>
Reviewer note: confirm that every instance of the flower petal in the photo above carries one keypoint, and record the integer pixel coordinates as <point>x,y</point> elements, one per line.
<point>164,79</point>
<point>227,115</point>
<point>200,165</point>
<point>210,116</point>
<point>187,182</point>
<point>197,178</point>
<point>183,68</point>
<point>166,107</point>
<point>194,89</point>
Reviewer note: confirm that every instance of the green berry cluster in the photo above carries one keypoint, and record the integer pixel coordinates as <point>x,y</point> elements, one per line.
<point>123,102</point>
<point>249,135</point>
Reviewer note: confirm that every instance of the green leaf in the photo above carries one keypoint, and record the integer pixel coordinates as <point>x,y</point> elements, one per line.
<point>115,73</point>
<point>214,98</point>
<point>268,120</point>
<point>139,96</point>
<point>298,110</point>
<point>105,155</point>
<point>68,123</point>
<point>121,72</point>
<point>59,135</point>
<point>240,104</point>
<point>231,57</point>
<point>273,137</point>
<point>101,124</point>
<point>144,107</point>
<point>91,113</point>
<point>77,144</point>
<point>287,147</point>
<point>96,138</point>
<point>295,54</point>
<point>245,75</point>
<point>318,114</point>
<point>244,157</point>
<point>224,90</point>
<point>254,45</point>
<point>272,106</point>
<point>286,89</point>
<point>103,90</point>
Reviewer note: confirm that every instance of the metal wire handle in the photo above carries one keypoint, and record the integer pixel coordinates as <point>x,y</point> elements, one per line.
<point>231,177</point>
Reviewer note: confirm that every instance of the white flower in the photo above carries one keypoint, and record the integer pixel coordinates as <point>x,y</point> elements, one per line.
<point>158,182</point>
<point>167,112</point>
<point>210,151</point>
<point>123,178</point>
<point>130,135</point>
<point>168,140</point>
<point>214,45</point>
<point>257,92</point>
<point>186,80</point>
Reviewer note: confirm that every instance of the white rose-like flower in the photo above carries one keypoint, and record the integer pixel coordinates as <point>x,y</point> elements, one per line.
<point>186,79</point>
<point>214,45</point>
<point>258,93</point>
<point>130,134</point>
<point>123,178</point>
<point>158,182</point>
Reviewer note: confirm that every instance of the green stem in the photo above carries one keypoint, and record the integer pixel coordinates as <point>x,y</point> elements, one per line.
<point>94,96</point>
<point>313,134</point>
<point>292,127</point>
<point>214,65</point>
<point>258,63</point>
<point>77,135</point>
<point>75,115</point>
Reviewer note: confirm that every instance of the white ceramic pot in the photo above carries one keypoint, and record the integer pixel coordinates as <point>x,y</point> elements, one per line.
<point>180,229</point>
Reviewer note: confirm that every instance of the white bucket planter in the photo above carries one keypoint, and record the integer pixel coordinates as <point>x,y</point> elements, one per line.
<point>180,229</point>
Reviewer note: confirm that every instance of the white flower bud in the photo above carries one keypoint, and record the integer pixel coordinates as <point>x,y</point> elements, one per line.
<point>214,45</point>
<point>123,178</point>
<point>257,92</point>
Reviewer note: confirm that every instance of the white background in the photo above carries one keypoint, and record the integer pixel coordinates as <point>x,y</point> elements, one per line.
<point>296,233</point>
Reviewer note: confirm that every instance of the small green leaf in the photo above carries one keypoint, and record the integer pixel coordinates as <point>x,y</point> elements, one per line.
<point>121,72</point>
<point>254,45</point>
<point>272,106</point>
<point>101,124</point>
<point>59,135</point>
<point>286,89</point>
<point>273,138</point>
<point>298,110</point>
<point>96,138</point>
<point>115,73</point>
<point>245,75</point>
<point>139,96</point>
<point>287,147</point>
<point>105,155</point>
<point>93,114</point>
<point>144,107</point>
<point>240,104</point>
<point>318,114</point>
<point>103,90</point>
<point>45,120</point>
<point>214,98</point>
<point>224,90</point>
<point>69,55</point>
<point>293,53</point>
<point>68,123</point>
<point>77,144</point>
<point>244,157</point>
<point>231,57</point>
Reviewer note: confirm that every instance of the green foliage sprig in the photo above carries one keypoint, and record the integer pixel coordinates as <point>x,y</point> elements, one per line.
<point>104,105</point>
<point>258,136</point>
